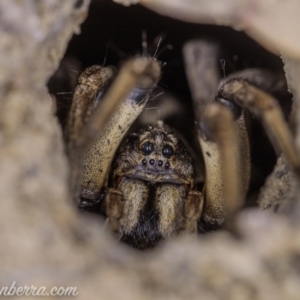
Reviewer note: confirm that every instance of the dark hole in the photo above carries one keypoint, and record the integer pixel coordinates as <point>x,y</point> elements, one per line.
<point>109,22</point>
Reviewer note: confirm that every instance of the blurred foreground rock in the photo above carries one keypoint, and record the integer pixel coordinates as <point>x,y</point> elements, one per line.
<point>274,23</point>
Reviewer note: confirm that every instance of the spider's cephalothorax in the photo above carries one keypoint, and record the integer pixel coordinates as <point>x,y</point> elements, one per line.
<point>154,174</point>
<point>155,154</point>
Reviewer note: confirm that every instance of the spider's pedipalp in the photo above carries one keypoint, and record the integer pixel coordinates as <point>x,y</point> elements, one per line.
<point>264,106</point>
<point>193,207</point>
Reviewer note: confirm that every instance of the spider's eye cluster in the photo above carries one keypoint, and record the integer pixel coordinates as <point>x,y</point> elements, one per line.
<point>147,148</point>
<point>167,151</point>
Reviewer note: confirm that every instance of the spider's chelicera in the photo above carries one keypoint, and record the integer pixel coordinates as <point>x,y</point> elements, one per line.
<point>146,188</point>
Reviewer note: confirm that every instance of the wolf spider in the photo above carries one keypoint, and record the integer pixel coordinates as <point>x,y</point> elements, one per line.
<point>146,188</point>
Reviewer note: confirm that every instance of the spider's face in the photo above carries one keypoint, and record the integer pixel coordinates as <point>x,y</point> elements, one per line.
<point>155,154</point>
<point>154,174</point>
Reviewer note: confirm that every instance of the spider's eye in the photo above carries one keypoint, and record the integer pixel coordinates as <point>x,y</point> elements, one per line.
<point>147,148</point>
<point>167,151</point>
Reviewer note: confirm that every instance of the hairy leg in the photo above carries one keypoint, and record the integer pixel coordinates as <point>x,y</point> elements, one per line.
<point>267,109</point>
<point>223,137</point>
<point>133,86</point>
